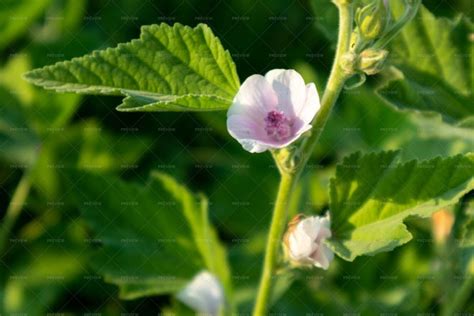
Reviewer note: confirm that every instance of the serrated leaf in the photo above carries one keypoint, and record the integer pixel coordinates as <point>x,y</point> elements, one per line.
<point>435,67</point>
<point>170,68</point>
<point>372,195</point>
<point>154,238</point>
<point>16,16</point>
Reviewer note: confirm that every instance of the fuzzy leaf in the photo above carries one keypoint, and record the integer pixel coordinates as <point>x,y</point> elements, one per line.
<point>372,195</point>
<point>434,66</point>
<point>170,68</point>
<point>154,239</point>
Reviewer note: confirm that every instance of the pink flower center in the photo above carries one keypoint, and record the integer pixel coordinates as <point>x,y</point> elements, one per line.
<point>277,125</point>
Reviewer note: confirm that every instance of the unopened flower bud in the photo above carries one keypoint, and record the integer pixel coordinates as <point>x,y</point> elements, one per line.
<point>349,63</point>
<point>372,19</point>
<point>204,294</point>
<point>304,241</point>
<point>372,61</point>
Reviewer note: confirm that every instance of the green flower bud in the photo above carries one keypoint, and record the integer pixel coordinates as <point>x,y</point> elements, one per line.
<point>372,60</point>
<point>372,20</point>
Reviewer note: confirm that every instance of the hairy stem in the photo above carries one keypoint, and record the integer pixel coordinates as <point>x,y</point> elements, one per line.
<point>14,209</point>
<point>336,81</point>
<point>285,189</point>
<point>334,86</point>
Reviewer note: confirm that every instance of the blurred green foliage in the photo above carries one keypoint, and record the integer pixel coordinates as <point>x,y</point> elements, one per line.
<point>45,266</point>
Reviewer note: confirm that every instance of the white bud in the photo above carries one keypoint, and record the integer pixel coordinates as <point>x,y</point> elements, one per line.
<point>203,294</point>
<point>304,242</point>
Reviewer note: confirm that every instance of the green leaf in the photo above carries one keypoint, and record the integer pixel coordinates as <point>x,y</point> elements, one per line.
<point>28,115</point>
<point>41,111</point>
<point>170,68</point>
<point>385,128</point>
<point>372,195</point>
<point>16,16</point>
<point>85,146</point>
<point>52,262</point>
<point>434,66</point>
<point>154,239</point>
<point>36,283</point>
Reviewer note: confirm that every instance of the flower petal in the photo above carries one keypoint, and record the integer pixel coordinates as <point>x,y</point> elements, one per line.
<point>254,146</point>
<point>290,89</point>
<point>243,127</point>
<point>204,293</point>
<point>301,246</point>
<point>252,136</point>
<point>311,106</point>
<point>311,226</point>
<point>323,257</point>
<point>306,242</point>
<point>254,99</point>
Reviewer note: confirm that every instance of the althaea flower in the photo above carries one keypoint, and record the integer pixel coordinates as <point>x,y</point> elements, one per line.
<point>304,241</point>
<point>204,294</point>
<point>272,111</point>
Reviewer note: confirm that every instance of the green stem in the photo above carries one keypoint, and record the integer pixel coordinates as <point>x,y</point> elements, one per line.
<point>336,81</point>
<point>14,209</point>
<point>277,227</point>
<point>290,176</point>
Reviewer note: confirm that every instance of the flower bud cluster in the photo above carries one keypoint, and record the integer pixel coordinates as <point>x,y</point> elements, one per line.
<point>372,20</point>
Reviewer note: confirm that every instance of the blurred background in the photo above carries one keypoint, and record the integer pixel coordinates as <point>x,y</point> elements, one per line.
<point>44,257</point>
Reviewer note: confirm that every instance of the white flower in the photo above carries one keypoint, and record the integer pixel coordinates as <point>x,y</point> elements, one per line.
<point>273,111</point>
<point>204,294</point>
<point>304,241</point>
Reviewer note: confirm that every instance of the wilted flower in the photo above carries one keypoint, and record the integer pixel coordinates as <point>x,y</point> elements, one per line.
<point>272,111</point>
<point>304,241</point>
<point>204,294</point>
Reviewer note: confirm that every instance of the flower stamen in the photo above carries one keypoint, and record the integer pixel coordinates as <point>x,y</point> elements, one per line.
<point>278,125</point>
